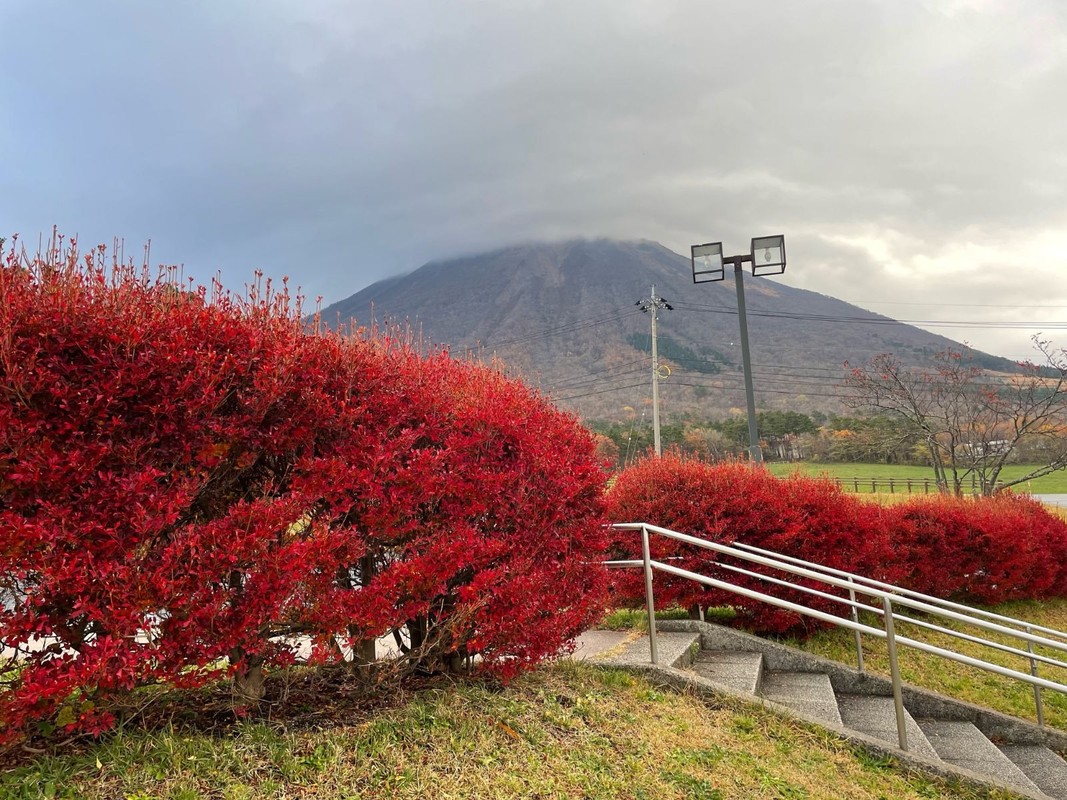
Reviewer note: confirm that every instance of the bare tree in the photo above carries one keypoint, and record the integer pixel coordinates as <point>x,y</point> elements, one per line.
<point>972,422</point>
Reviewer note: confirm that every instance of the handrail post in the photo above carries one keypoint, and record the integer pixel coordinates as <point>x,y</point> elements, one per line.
<point>856,618</point>
<point>649,602</point>
<point>1037,689</point>
<point>894,671</point>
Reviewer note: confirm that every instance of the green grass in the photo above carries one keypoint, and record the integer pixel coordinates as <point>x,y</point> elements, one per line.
<point>957,680</point>
<point>1056,483</point>
<point>636,619</point>
<point>630,619</point>
<point>569,730</point>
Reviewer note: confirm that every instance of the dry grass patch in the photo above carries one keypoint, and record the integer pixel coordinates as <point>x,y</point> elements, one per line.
<point>570,730</point>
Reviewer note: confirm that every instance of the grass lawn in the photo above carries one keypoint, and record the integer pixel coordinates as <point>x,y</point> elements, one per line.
<point>1056,483</point>
<point>567,730</point>
<point>957,680</point>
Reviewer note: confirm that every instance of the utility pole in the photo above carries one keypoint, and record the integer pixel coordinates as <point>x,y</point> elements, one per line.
<point>652,305</point>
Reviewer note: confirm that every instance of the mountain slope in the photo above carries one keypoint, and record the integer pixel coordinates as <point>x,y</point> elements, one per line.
<point>563,316</point>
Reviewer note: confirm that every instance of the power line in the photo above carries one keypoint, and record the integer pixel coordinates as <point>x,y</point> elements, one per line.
<point>933,323</point>
<point>858,347</point>
<point>569,327</point>
<point>836,395</point>
<point>954,305</point>
<point>828,374</point>
<point>727,365</point>
<point>600,391</point>
<point>843,395</point>
<point>733,384</point>
<point>618,369</point>
<point>619,314</point>
<point>816,376</point>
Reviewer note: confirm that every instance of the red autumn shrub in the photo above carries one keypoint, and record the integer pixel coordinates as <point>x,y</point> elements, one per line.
<point>984,550</point>
<point>478,512</point>
<point>491,554</point>
<point>186,480</point>
<point>534,514</point>
<point>157,451</point>
<point>803,517</point>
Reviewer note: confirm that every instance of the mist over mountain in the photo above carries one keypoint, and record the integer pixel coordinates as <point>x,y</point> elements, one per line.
<point>563,316</point>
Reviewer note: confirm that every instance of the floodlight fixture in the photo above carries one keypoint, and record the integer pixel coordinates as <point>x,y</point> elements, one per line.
<point>768,255</point>
<point>707,262</point>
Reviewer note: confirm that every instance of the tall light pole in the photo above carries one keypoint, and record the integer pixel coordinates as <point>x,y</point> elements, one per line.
<point>767,257</point>
<point>653,304</point>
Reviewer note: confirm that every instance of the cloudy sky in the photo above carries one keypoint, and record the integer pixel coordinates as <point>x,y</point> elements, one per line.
<point>913,152</point>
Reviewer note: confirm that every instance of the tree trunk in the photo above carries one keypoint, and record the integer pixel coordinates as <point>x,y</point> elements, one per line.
<point>455,663</point>
<point>364,655</point>
<point>364,652</point>
<point>249,679</point>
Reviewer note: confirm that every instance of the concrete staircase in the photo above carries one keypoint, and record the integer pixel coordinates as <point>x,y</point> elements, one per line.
<point>944,735</point>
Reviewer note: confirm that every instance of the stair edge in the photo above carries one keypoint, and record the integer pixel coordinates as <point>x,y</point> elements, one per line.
<point>847,680</point>
<point>683,680</point>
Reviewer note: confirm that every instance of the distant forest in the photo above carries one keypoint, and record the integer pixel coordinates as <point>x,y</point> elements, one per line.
<point>708,361</point>
<point>785,436</point>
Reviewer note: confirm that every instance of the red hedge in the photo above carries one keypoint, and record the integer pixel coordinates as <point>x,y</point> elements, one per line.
<point>155,450</point>
<point>803,517</point>
<point>987,550</point>
<point>185,478</point>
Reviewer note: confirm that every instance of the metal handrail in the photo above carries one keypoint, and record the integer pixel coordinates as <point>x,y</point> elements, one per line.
<point>857,583</point>
<point>907,592</point>
<point>856,606</point>
<point>1004,648</point>
<point>888,597</point>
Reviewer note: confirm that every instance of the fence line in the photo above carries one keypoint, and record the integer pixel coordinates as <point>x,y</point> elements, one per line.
<point>898,485</point>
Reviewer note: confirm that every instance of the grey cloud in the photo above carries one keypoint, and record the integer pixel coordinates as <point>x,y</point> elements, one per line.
<point>342,142</point>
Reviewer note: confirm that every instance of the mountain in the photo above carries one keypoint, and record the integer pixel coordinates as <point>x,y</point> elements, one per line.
<point>563,317</point>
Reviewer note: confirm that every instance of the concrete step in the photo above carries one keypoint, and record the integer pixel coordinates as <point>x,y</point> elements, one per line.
<point>877,717</point>
<point>962,744</point>
<point>734,668</point>
<point>807,692</point>
<point>674,650</point>
<point>1040,765</point>
<point>805,683</point>
<point>594,643</point>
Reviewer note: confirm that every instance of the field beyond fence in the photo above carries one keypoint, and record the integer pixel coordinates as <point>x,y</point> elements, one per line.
<point>907,479</point>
